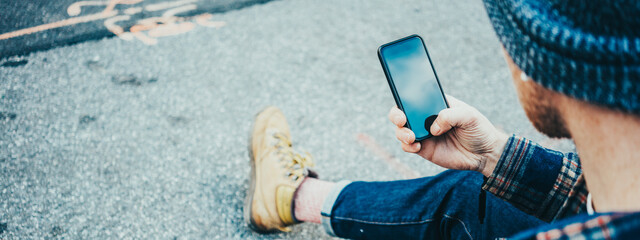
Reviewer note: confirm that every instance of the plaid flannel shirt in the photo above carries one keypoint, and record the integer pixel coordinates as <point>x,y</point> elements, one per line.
<point>549,185</point>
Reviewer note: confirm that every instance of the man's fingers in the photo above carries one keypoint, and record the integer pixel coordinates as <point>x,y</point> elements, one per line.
<point>397,117</point>
<point>405,135</point>
<point>411,148</point>
<point>449,118</point>
<point>456,116</point>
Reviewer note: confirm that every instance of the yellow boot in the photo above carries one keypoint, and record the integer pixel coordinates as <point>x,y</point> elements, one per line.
<point>276,172</point>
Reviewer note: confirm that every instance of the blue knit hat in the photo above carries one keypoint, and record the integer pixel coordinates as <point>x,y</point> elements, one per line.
<point>587,49</point>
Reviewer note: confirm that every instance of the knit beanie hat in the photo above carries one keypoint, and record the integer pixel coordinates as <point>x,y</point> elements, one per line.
<point>586,49</point>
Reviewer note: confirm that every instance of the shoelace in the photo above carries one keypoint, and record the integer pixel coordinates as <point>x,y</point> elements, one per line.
<point>294,162</point>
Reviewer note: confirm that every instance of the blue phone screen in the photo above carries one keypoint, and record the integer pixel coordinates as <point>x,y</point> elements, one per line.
<point>415,82</point>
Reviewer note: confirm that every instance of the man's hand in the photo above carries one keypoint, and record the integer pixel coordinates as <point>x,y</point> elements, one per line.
<point>463,139</point>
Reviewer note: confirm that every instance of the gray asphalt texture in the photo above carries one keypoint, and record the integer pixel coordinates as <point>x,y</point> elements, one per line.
<point>113,139</point>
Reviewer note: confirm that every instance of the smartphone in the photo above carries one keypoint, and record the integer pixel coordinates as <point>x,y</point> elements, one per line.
<point>413,82</point>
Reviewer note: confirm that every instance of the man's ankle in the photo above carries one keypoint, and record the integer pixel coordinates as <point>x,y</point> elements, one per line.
<point>309,198</point>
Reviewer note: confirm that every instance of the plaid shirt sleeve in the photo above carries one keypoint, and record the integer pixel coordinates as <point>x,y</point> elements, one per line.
<point>542,182</point>
<point>614,225</point>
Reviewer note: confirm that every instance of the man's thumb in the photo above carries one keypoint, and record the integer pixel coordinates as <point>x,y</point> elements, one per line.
<point>449,118</point>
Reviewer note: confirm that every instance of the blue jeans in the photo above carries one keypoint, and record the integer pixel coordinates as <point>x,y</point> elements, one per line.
<point>445,206</point>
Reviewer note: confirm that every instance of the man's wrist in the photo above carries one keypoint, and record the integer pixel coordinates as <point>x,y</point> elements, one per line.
<point>492,158</point>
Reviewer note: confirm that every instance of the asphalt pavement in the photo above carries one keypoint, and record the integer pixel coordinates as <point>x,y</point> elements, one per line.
<point>124,137</point>
<point>37,25</point>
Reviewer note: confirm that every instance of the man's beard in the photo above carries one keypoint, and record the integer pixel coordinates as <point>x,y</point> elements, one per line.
<point>541,106</point>
<point>539,103</point>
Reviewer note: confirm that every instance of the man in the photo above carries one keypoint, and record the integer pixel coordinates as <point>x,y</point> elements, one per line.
<point>576,68</point>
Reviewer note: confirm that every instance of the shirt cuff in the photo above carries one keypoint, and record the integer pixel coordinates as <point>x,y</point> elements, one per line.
<point>525,176</point>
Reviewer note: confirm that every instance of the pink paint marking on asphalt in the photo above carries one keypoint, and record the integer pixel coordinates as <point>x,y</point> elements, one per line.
<point>388,158</point>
